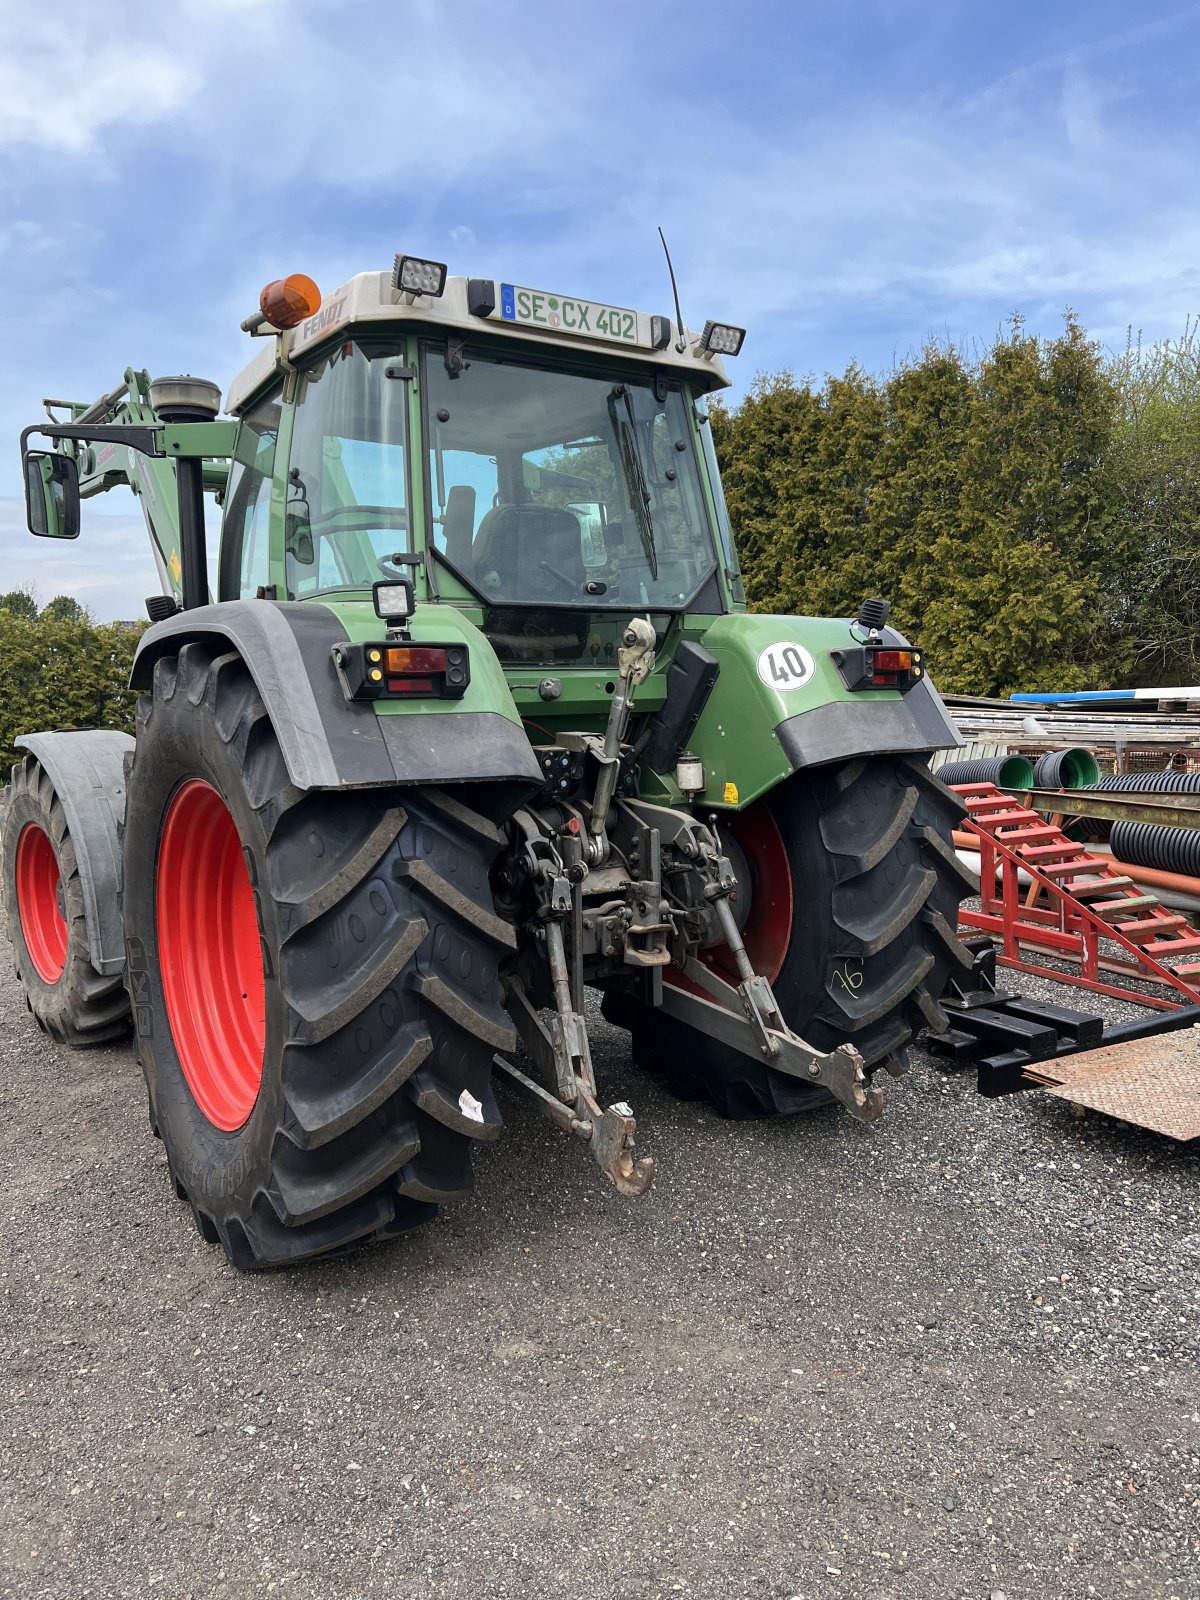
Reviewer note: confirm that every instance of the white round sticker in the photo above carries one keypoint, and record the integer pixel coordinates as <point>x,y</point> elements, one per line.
<point>786,665</point>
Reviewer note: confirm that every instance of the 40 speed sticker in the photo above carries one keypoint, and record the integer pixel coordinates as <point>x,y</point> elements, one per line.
<point>785,666</point>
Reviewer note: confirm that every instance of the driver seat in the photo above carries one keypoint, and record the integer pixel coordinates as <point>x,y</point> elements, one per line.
<point>516,544</point>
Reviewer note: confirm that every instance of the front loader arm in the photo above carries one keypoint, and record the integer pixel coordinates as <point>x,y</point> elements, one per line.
<point>120,440</point>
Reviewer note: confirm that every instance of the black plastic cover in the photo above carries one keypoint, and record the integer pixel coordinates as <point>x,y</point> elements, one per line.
<point>690,680</point>
<point>481,297</point>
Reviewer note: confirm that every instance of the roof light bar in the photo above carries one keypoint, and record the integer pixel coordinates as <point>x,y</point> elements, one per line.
<point>721,339</point>
<point>411,275</point>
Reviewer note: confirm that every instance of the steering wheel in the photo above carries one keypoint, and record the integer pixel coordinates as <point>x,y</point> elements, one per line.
<point>568,584</point>
<point>368,516</point>
<point>401,570</point>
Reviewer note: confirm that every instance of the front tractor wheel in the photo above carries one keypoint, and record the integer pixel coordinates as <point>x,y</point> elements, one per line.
<point>315,979</point>
<point>853,889</point>
<point>47,918</point>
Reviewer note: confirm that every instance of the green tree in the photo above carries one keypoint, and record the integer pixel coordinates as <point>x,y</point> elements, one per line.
<point>1155,468</point>
<point>829,572</point>
<point>20,603</point>
<point>916,492</point>
<point>64,608</point>
<point>767,453</point>
<point>1022,611</point>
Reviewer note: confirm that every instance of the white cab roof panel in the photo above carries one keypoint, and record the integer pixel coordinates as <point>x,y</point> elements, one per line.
<point>477,307</point>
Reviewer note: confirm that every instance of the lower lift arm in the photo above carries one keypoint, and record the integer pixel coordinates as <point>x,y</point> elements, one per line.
<point>633,918</point>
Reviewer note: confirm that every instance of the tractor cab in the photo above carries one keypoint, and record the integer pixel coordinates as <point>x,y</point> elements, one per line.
<point>543,462</point>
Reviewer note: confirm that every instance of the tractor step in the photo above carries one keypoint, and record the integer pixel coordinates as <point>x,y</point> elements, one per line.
<point>1064,869</point>
<point>1091,886</point>
<point>986,804</point>
<point>1114,910</point>
<point>1064,847</point>
<point>1168,949</point>
<point>990,821</point>
<point>1148,930</point>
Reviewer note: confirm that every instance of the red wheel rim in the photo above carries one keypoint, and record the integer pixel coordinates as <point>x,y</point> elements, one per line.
<point>210,956</point>
<point>768,929</point>
<point>40,903</point>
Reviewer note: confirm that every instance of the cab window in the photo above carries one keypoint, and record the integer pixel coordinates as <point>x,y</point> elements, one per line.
<point>347,491</point>
<point>245,564</point>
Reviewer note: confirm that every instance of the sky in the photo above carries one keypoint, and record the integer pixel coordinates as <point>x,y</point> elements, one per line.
<point>847,180</point>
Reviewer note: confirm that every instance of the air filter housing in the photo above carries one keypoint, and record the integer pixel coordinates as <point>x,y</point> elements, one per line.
<point>185,399</point>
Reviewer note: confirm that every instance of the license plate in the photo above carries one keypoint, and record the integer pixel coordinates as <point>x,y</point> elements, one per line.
<point>560,313</point>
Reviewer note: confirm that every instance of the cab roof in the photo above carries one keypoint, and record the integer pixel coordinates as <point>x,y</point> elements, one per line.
<point>475,306</point>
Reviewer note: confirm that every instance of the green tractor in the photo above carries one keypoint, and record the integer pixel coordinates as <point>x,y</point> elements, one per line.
<point>467,716</point>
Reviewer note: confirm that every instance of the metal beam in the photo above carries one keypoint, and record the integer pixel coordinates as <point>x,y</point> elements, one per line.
<point>1118,805</point>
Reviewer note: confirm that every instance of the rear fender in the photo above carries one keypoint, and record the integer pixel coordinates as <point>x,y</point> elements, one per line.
<point>780,705</point>
<point>87,769</point>
<point>329,742</point>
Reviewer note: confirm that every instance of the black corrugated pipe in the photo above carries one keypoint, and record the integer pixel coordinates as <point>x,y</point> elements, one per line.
<point>1065,769</point>
<point>1145,844</point>
<point>1006,772</point>
<point>1152,782</point>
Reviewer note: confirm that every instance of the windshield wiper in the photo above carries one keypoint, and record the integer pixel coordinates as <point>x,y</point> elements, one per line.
<point>635,475</point>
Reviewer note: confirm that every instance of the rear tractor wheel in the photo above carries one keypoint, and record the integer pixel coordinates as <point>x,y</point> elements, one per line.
<point>315,979</point>
<point>47,919</point>
<point>853,889</point>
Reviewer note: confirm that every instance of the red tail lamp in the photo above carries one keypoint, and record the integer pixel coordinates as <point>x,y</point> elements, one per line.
<point>381,671</point>
<point>875,667</point>
<point>414,658</point>
<point>287,301</point>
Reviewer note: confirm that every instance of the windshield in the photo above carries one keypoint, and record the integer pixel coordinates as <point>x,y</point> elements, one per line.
<point>556,488</point>
<point>347,491</point>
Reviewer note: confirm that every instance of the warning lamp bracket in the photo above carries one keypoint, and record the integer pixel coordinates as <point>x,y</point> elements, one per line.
<point>365,673</point>
<point>860,670</point>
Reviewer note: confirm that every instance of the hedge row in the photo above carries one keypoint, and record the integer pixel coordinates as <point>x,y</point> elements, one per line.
<point>62,674</point>
<point>1033,512</point>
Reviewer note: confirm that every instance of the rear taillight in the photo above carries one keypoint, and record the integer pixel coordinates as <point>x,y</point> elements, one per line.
<point>879,667</point>
<point>393,671</point>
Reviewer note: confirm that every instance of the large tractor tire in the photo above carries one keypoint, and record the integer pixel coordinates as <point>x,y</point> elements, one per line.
<point>47,919</point>
<point>315,979</point>
<point>853,891</point>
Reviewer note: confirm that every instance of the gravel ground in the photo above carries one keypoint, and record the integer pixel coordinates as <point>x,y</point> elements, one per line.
<point>953,1355</point>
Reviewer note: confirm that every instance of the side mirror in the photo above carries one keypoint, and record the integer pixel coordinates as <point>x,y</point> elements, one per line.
<point>297,537</point>
<point>590,514</point>
<point>51,495</point>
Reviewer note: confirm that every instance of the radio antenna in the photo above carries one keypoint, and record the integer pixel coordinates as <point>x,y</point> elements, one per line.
<point>681,342</point>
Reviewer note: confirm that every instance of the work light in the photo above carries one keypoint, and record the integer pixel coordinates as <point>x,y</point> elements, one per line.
<point>721,339</point>
<point>394,600</point>
<point>413,276</point>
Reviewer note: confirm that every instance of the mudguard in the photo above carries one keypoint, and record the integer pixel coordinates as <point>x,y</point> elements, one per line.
<point>87,769</point>
<point>329,742</point>
<point>779,705</point>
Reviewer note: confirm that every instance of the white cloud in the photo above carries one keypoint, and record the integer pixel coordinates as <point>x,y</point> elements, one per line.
<point>65,78</point>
